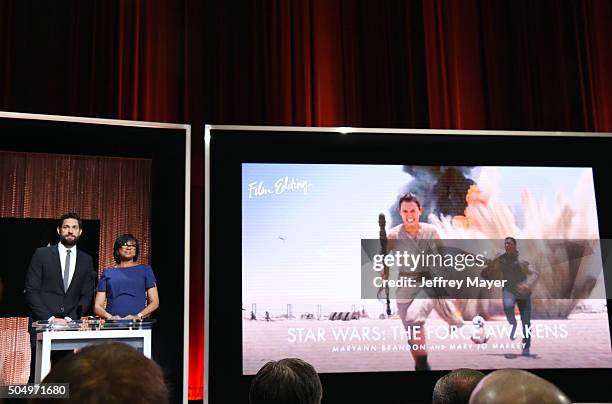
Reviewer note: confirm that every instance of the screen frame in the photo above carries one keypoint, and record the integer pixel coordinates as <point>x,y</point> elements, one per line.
<point>187,201</point>
<point>212,131</point>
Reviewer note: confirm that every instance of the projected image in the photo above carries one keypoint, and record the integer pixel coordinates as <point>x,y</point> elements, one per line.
<point>302,265</point>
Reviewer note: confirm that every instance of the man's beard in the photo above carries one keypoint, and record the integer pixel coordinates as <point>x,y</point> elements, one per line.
<point>67,242</point>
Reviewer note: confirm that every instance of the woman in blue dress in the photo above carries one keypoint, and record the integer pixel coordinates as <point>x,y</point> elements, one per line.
<point>129,289</point>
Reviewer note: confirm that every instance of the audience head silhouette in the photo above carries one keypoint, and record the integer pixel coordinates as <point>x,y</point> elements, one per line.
<point>516,386</point>
<point>287,381</point>
<point>455,387</point>
<point>109,373</point>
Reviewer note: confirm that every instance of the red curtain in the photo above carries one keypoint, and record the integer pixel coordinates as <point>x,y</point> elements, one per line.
<point>470,64</point>
<point>47,185</point>
<point>14,350</point>
<point>519,65</point>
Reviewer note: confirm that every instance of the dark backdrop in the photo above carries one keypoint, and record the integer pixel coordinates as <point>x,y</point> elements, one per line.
<point>22,237</point>
<point>469,64</point>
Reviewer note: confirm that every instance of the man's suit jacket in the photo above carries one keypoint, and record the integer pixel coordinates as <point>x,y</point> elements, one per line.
<point>44,285</point>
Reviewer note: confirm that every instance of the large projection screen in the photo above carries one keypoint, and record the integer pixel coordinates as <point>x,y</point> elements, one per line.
<point>293,229</point>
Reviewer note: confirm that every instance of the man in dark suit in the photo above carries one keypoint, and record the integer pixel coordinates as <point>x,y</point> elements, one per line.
<point>60,280</point>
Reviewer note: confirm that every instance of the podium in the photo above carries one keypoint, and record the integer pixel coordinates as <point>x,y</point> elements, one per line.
<point>78,334</point>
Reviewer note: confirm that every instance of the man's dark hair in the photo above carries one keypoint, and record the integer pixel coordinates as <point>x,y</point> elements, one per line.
<point>70,215</point>
<point>286,381</point>
<point>409,197</point>
<point>109,373</point>
<point>121,240</point>
<point>511,239</point>
<point>455,387</point>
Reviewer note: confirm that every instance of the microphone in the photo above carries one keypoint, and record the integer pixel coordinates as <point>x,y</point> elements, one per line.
<point>94,276</point>
<point>382,222</point>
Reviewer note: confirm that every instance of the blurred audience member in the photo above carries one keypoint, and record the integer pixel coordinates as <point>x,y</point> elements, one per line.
<point>287,381</point>
<point>109,373</point>
<point>455,387</point>
<point>516,386</point>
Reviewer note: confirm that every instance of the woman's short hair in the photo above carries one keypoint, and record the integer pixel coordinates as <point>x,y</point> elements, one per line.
<point>122,240</point>
<point>409,197</point>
